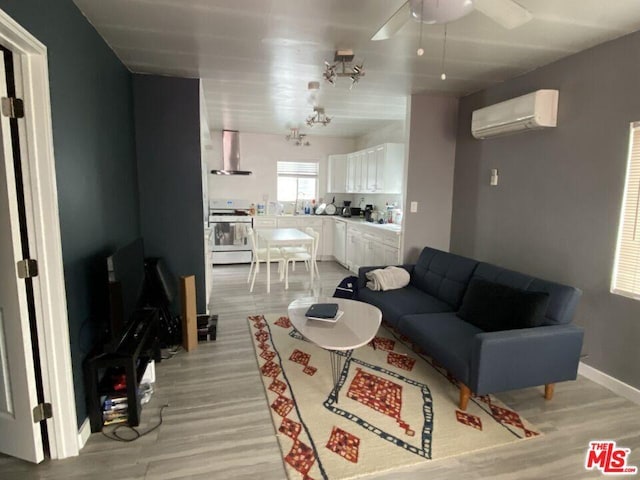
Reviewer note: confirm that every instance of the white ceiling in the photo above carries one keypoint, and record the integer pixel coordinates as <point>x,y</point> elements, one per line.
<point>256,56</point>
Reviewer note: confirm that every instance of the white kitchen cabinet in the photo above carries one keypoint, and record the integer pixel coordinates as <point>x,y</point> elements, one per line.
<point>340,241</point>
<point>326,245</point>
<point>391,255</point>
<point>378,169</point>
<point>264,223</point>
<point>370,246</point>
<point>390,161</point>
<point>337,178</point>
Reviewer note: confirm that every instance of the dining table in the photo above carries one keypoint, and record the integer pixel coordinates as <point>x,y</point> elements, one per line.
<point>283,237</point>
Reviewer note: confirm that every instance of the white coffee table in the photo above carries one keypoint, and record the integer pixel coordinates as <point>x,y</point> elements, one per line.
<point>355,328</point>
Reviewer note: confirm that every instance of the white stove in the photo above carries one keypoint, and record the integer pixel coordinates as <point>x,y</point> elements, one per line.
<point>229,220</point>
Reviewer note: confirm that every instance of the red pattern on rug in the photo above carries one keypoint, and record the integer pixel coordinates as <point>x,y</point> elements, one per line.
<point>283,322</point>
<point>469,419</point>
<point>282,405</point>
<point>298,356</point>
<point>270,369</point>
<point>344,444</point>
<point>278,386</point>
<point>290,428</point>
<point>309,370</point>
<point>300,457</point>
<point>506,416</point>
<point>383,396</point>
<point>399,360</point>
<point>268,355</point>
<point>381,343</point>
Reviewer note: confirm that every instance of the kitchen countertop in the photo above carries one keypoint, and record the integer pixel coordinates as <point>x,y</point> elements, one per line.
<point>389,227</point>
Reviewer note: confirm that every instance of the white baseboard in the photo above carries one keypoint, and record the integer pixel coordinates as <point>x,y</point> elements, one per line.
<point>616,386</point>
<point>84,433</point>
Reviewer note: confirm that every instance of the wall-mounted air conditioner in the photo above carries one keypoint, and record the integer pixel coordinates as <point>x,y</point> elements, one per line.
<point>533,111</point>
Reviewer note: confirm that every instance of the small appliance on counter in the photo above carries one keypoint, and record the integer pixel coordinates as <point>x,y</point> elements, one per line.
<point>368,210</point>
<point>346,210</point>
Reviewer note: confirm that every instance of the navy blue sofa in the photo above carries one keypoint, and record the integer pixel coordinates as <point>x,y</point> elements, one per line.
<point>482,361</point>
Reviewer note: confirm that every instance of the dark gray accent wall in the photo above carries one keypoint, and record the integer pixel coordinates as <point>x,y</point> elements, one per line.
<point>430,166</point>
<point>555,212</point>
<point>93,137</point>
<point>167,119</point>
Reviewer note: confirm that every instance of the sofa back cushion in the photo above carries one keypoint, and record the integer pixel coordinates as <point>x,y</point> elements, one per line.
<point>563,299</point>
<point>494,307</point>
<point>443,275</point>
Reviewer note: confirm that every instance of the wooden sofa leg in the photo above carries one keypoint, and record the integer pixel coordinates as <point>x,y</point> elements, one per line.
<point>548,391</point>
<point>465,394</point>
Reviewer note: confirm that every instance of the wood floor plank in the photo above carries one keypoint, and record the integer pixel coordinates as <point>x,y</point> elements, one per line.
<point>218,425</point>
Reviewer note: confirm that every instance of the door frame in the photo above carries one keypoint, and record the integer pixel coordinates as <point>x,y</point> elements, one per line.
<point>41,200</point>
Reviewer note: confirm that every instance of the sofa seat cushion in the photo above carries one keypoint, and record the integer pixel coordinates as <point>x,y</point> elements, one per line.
<point>445,338</point>
<point>403,301</point>
<point>494,307</point>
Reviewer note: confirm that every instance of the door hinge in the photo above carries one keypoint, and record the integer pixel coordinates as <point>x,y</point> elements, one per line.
<point>12,107</point>
<point>27,268</point>
<point>41,412</point>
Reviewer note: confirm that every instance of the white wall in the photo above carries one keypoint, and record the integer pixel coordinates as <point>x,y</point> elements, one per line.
<point>260,153</point>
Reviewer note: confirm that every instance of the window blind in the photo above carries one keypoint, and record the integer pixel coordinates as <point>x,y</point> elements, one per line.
<point>298,168</point>
<point>626,272</point>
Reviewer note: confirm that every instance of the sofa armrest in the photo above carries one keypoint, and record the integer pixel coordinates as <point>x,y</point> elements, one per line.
<point>362,278</point>
<point>525,357</point>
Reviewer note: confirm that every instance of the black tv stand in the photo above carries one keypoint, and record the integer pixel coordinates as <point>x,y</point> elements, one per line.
<point>129,354</point>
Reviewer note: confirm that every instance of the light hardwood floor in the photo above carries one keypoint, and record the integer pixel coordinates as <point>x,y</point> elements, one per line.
<point>218,424</point>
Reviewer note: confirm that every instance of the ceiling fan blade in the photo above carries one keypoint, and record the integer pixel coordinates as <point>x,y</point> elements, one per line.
<point>507,13</point>
<point>395,23</point>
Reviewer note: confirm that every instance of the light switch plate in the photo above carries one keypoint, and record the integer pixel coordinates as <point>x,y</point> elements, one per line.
<point>494,177</point>
<point>414,207</point>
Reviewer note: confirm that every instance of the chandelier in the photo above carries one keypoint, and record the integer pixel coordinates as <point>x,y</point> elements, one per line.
<point>298,139</point>
<point>341,68</point>
<point>318,118</point>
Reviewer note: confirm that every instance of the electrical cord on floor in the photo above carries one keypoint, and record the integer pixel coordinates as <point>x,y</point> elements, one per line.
<point>114,435</point>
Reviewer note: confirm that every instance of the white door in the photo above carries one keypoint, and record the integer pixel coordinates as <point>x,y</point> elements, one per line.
<point>19,435</point>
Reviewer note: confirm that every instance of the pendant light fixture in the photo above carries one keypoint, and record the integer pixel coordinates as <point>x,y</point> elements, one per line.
<point>420,50</point>
<point>443,75</point>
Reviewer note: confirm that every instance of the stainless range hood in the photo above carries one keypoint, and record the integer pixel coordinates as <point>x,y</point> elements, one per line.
<point>231,154</point>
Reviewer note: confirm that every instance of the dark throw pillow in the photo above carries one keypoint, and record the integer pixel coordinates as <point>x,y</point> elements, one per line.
<point>493,307</point>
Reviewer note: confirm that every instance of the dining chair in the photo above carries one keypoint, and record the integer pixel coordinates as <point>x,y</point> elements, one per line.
<point>298,249</point>
<point>260,255</point>
<point>306,256</point>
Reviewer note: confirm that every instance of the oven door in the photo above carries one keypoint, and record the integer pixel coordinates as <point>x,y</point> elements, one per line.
<point>230,236</point>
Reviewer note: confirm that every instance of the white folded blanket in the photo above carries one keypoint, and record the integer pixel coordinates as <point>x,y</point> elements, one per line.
<point>389,278</point>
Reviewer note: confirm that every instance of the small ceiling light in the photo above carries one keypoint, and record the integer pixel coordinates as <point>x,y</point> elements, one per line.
<point>343,58</point>
<point>298,139</point>
<point>444,53</point>
<point>318,118</point>
<point>420,50</point>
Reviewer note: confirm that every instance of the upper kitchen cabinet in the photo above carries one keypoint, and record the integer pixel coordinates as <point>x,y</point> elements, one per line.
<point>378,169</point>
<point>337,177</point>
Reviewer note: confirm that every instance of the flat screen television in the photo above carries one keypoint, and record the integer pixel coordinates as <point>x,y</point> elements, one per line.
<point>126,285</point>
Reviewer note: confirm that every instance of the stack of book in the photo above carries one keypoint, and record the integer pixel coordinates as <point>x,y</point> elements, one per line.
<point>325,312</point>
<point>114,409</point>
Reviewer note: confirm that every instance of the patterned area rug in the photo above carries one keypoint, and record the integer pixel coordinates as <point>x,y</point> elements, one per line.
<point>395,407</point>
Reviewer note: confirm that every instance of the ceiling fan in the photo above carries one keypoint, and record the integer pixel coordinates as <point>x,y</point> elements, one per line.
<point>507,13</point>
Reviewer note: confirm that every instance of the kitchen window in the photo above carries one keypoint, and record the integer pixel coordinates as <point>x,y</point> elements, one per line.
<point>297,181</point>
<point>626,270</point>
